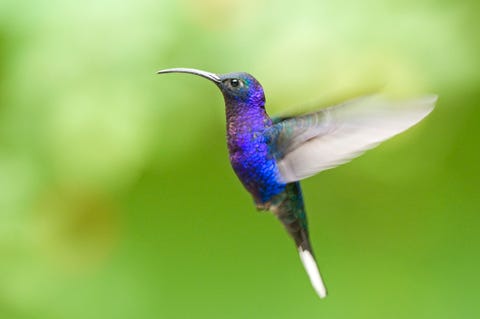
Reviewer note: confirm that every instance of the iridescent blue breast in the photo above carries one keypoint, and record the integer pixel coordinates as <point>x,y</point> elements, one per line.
<point>251,160</point>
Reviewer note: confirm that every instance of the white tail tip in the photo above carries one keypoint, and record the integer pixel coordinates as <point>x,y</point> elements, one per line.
<point>313,273</point>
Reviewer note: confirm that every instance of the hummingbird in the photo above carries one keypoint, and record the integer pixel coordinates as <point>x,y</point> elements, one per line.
<point>270,155</point>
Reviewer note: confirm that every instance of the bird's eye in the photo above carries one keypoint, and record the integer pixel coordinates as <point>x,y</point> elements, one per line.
<point>234,83</point>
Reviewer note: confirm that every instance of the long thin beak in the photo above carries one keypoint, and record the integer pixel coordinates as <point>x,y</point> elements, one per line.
<point>211,76</point>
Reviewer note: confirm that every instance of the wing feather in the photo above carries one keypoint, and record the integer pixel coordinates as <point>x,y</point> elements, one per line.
<point>315,142</point>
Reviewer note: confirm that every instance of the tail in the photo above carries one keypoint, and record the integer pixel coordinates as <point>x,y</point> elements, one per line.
<point>289,209</point>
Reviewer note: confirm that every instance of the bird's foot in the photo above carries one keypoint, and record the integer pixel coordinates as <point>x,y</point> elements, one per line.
<point>263,207</point>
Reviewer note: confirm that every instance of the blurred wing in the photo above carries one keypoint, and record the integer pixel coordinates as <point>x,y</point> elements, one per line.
<point>308,144</point>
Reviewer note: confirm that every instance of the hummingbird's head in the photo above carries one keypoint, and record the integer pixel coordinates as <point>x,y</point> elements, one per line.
<point>237,88</point>
<point>241,87</point>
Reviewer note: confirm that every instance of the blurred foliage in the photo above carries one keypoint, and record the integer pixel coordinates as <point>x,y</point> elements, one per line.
<point>117,199</point>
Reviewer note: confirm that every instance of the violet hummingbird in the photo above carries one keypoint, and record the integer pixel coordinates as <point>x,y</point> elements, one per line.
<point>271,155</point>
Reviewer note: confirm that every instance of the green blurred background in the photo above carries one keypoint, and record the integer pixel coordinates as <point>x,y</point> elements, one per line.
<point>117,199</point>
